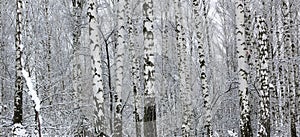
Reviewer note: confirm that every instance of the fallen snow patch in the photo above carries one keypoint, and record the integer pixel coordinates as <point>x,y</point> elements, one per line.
<point>19,130</point>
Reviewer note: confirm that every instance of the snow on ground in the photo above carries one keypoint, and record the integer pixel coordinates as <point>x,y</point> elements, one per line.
<point>19,130</point>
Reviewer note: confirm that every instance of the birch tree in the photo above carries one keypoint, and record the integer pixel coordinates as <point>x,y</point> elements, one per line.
<point>77,68</point>
<point>203,64</point>
<point>2,81</point>
<point>47,43</point>
<point>297,96</point>
<point>279,69</point>
<point>96,51</point>
<point>149,69</point>
<point>287,69</point>
<point>135,73</point>
<point>184,86</point>
<point>245,125</point>
<point>263,70</point>
<point>264,113</point>
<point>292,69</point>
<point>1,16</point>
<point>165,67</point>
<point>296,70</point>
<point>206,93</point>
<point>119,68</point>
<point>289,43</point>
<point>273,55</point>
<point>179,47</point>
<point>77,7</point>
<point>18,129</point>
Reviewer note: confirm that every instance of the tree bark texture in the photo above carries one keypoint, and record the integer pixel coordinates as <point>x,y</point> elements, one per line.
<point>96,51</point>
<point>149,69</point>
<point>245,125</point>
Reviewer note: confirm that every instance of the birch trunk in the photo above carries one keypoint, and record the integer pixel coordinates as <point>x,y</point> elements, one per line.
<point>206,92</point>
<point>274,71</point>
<point>164,61</point>
<point>48,54</point>
<point>264,91</point>
<point>1,79</point>
<point>203,66</point>
<point>1,27</point>
<point>245,125</point>
<point>251,50</point>
<point>18,97</point>
<point>186,91</point>
<point>119,69</point>
<point>135,77</point>
<point>286,107</point>
<point>248,36</point>
<point>76,62</point>
<point>96,51</point>
<point>297,87</point>
<point>180,46</point>
<point>149,69</point>
<point>292,63</point>
<point>281,85</point>
<point>77,70</point>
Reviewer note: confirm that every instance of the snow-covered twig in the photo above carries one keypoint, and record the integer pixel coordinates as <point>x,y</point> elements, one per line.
<point>29,83</point>
<point>32,93</point>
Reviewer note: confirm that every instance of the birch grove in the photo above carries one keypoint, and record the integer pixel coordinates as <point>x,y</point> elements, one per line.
<point>200,68</point>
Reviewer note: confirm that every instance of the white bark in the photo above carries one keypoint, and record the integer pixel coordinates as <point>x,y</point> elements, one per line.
<point>245,125</point>
<point>203,66</point>
<point>292,71</point>
<point>18,129</point>
<point>0,24</point>
<point>48,34</point>
<point>179,47</point>
<point>76,62</point>
<point>96,52</point>
<point>206,92</point>
<point>289,93</point>
<point>281,86</point>
<point>165,79</point>
<point>287,69</point>
<point>2,81</point>
<point>297,88</point>
<point>76,59</point>
<point>185,89</point>
<point>149,69</point>
<point>273,37</point>
<point>119,68</point>
<point>264,114</point>
<point>297,96</point>
<point>135,73</point>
